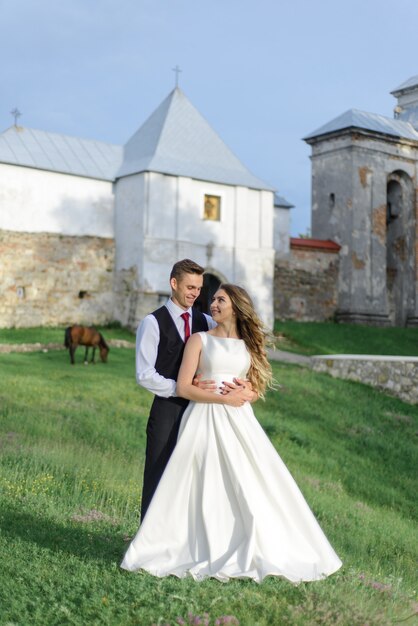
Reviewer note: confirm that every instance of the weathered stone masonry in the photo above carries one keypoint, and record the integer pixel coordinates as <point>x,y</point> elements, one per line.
<point>397,376</point>
<point>306,281</point>
<point>49,279</point>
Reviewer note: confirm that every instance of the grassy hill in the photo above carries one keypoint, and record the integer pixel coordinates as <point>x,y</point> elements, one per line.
<point>329,338</point>
<point>71,460</point>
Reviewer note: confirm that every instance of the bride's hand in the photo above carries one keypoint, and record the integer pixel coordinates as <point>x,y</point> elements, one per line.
<point>238,383</point>
<point>235,397</point>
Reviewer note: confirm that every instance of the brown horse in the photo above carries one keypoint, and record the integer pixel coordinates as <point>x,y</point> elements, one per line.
<point>85,336</point>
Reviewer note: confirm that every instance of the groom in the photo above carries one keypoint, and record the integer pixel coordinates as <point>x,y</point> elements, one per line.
<point>160,342</point>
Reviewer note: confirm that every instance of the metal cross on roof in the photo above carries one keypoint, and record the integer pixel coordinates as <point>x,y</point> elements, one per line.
<point>177,70</point>
<point>16,114</point>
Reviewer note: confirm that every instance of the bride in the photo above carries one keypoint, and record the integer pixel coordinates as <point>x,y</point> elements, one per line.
<point>227,506</point>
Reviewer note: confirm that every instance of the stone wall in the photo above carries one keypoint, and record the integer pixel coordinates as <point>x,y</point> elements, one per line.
<point>48,279</point>
<point>395,375</point>
<point>306,281</point>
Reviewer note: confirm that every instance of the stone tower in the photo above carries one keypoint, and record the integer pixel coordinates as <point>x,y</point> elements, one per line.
<point>364,180</point>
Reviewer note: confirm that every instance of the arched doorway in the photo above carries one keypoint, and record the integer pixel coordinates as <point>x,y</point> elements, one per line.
<point>210,285</point>
<point>400,247</point>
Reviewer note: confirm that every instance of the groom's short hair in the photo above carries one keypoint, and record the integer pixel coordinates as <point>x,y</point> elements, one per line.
<point>185,266</point>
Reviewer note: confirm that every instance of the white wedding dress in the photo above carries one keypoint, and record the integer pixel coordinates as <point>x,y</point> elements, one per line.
<point>226,505</point>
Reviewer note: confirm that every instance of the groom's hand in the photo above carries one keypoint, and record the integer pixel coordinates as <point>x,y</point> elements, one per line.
<point>207,385</point>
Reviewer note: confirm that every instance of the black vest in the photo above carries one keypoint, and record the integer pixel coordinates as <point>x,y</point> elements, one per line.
<point>171,346</point>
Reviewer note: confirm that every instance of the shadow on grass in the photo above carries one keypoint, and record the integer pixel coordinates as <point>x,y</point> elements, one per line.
<point>88,542</point>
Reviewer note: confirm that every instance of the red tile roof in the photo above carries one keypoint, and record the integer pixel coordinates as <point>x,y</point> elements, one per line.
<point>326,245</point>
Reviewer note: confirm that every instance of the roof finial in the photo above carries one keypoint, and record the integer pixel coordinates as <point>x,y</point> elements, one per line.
<point>16,114</point>
<point>177,70</point>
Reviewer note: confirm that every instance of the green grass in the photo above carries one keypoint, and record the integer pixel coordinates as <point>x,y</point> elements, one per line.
<point>329,338</point>
<point>56,334</point>
<point>71,459</point>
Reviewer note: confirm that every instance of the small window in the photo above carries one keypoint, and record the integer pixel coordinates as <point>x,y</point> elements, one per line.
<point>331,200</point>
<point>212,208</point>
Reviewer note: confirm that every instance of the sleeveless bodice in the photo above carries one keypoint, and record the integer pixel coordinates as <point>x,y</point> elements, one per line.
<point>223,358</point>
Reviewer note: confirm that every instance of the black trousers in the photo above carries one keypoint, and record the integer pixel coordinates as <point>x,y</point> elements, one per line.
<point>162,430</point>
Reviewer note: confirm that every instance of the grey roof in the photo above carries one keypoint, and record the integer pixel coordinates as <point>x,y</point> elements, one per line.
<point>177,140</point>
<point>368,121</point>
<point>281,202</point>
<point>408,84</point>
<point>60,153</point>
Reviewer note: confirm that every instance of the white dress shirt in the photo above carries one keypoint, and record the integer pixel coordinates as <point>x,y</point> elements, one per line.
<point>147,340</point>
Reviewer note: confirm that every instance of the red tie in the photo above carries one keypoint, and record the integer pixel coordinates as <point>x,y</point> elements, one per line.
<point>186,316</point>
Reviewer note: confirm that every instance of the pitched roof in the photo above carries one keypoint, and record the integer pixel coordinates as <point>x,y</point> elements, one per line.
<point>281,202</point>
<point>408,84</point>
<point>326,245</point>
<point>177,140</point>
<point>60,153</point>
<point>353,118</point>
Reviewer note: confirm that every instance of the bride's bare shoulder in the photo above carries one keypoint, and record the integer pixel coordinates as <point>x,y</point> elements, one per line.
<point>195,338</point>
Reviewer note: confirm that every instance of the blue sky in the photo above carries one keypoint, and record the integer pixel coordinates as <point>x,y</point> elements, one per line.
<point>263,73</point>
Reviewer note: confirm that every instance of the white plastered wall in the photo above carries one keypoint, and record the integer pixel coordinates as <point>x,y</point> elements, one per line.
<point>164,214</point>
<point>34,200</point>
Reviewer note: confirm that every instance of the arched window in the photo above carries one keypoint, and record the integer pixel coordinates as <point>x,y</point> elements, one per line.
<point>394,200</point>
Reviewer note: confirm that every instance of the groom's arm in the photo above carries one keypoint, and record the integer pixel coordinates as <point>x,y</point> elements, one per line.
<point>147,340</point>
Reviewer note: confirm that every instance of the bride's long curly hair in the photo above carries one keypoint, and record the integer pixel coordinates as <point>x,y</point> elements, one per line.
<point>252,330</point>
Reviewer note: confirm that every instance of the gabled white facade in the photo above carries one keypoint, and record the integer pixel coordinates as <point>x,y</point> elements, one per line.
<point>170,164</point>
<point>159,220</point>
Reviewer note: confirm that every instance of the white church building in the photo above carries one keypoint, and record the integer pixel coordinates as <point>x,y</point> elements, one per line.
<point>89,231</point>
